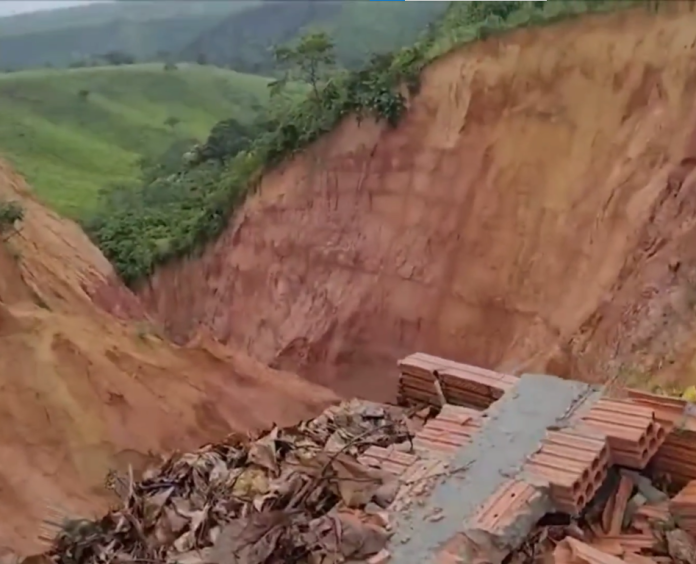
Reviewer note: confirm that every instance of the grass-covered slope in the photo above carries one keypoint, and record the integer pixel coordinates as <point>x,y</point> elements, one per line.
<point>71,132</point>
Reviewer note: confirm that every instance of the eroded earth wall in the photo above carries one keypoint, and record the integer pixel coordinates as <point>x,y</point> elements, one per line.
<point>82,392</point>
<point>533,211</point>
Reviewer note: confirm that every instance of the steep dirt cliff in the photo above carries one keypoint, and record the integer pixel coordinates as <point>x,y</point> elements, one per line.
<point>82,392</point>
<point>534,211</point>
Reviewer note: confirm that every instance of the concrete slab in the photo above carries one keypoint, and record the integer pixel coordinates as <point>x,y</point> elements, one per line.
<point>515,426</point>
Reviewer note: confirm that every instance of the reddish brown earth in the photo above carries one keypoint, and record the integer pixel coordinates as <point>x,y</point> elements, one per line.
<point>82,392</point>
<point>534,211</point>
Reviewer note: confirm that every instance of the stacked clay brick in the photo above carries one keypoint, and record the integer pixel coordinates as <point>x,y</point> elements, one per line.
<point>633,433</point>
<point>677,454</point>
<point>436,381</point>
<point>442,436</point>
<point>571,461</point>
<point>510,500</point>
<point>627,432</point>
<point>451,430</point>
<point>574,462</point>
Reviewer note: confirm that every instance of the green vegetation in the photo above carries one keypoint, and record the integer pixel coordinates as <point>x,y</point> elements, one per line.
<point>72,132</point>
<point>177,214</point>
<point>309,61</point>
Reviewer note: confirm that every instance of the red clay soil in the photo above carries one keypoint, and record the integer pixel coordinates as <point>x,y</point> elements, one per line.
<point>82,392</point>
<point>534,211</point>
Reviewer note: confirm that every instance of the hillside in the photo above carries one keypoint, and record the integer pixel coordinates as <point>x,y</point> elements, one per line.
<point>95,14</point>
<point>71,145</point>
<point>235,34</point>
<point>532,210</point>
<point>144,29</point>
<point>83,392</point>
<point>243,40</point>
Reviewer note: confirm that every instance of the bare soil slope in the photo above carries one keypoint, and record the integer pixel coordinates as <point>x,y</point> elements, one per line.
<point>535,210</point>
<point>82,392</point>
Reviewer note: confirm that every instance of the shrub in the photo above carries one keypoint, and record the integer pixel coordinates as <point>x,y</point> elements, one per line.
<point>118,58</point>
<point>172,122</point>
<point>11,213</point>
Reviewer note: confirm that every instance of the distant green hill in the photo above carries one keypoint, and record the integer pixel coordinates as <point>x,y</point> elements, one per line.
<point>144,29</point>
<point>105,12</point>
<point>237,34</point>
<point>71,132</point>
<point>243,40</point>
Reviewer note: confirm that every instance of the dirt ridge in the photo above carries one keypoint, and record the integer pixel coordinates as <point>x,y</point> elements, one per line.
<point>82,392</point>
<point>523,216</point>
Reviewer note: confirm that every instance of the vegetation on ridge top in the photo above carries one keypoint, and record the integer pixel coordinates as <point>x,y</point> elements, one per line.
<point>180,212</point>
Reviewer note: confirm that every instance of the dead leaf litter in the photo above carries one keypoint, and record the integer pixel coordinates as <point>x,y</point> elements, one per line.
<point>288,495</point>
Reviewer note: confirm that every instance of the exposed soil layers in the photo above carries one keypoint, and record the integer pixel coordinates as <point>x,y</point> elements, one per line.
<point>82,392</point>
<point>535,210</point>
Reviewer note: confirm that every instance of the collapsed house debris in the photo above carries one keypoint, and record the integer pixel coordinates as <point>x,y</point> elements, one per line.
<point>285,496</point>
<point>474,466</point>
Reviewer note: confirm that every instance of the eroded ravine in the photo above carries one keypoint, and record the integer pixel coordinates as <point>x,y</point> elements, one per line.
<point>82,392</point>
<point>519,217</point>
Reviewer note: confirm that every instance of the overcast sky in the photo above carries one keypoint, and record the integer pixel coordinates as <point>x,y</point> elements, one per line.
<point>9,7</point>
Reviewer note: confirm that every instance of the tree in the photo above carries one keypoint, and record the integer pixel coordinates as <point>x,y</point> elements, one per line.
<point>309,60</point>
<point>226,139</point>
<point>118,58</point>
<point>172,122</point>
<point>201,59</point>
<point>164,163</point>
<point>479,11</point>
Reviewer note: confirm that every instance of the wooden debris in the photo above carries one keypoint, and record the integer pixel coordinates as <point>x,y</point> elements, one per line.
<point>288,495</point>
<point>648,535</point>
<point>632,558</point>
<point>325,490</point>
<point>619,503</point>
<point>683,507</point>
<point>573,551</point>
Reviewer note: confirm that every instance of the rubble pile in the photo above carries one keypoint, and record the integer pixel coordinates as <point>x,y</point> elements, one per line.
<point>595,480</point>
<point>289,495</point>
<point>630,520</point>
<point>619,471</point>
